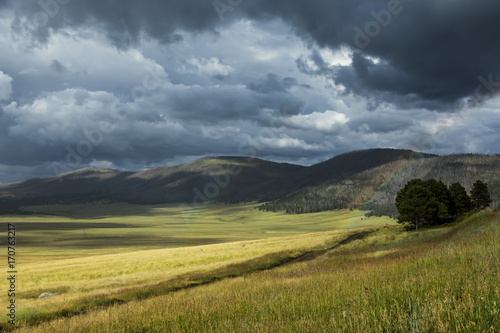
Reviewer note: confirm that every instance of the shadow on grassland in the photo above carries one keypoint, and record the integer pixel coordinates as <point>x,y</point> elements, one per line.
<point>60,226</point>
<point>84,242</point>
<point>93,211</point>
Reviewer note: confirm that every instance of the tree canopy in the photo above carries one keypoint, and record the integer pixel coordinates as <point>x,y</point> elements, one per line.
<point>463,203</point>
<point>480,195</point>
<point>431,202</point>
<point>423,202</point>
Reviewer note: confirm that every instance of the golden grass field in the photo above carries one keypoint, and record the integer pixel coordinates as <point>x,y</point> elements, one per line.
<point>438,280</point>
<point>94,229</point>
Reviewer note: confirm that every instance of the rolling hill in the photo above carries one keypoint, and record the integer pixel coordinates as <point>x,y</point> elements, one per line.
<point>367,179</point>
<point>221,178</point>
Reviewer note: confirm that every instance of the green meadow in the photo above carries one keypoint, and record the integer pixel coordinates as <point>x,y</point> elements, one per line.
<point>236,269</point>
<point>92,229</point>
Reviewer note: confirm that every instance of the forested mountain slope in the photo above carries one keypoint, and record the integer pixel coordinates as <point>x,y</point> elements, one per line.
<point>376,187</point>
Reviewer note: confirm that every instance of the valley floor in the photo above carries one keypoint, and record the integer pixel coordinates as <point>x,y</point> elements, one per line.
<point>377,279</point>
<point>71,231</point>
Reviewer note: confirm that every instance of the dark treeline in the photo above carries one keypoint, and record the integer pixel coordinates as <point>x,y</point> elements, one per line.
<point>431,202</point>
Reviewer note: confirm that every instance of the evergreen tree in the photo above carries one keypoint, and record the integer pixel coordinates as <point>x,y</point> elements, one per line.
<point>479,195</point>
<point>423,202</point>
<point>462,201</point>
<point>411,203</point>
<point>442,195</point>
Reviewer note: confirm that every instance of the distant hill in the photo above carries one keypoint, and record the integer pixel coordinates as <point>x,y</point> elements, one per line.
<point>207,176</point>
<point>367,179</point>
<point>338,169</point>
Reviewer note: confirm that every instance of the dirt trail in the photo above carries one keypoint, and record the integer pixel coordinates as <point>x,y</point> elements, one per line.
<point>315,254</point>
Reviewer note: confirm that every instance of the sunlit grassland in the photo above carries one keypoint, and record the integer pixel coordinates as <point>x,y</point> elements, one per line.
<point>86,279</point>
<point>92,229</point>
<point>440,280</point>
<point>98,254</point>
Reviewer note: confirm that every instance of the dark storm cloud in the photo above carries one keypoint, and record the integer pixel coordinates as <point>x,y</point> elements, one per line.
<point>227,103</point>
<point>124,21</point>
<point>430,50</point>
<point>434,50</point>
<point>384,83</point>
<point>273,93</point>
<point>18,150</point>
<point>201,104</point>
<point>272,83</point>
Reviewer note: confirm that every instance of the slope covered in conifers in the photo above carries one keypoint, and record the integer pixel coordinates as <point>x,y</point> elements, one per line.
<point>376,188</point>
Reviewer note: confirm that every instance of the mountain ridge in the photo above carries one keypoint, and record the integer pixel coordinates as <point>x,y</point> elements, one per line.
<point>367,179</point>
<point>153,186</point>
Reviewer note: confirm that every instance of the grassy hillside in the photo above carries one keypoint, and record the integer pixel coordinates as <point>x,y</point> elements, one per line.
<point>222,179</point>
<point>231,178</point>
<point>441,280</point>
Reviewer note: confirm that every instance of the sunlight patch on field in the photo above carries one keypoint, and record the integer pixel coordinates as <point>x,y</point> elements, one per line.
<point>102,275</point>
<point>92,229</point>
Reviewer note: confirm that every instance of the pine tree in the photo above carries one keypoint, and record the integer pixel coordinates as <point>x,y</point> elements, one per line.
<point>479,195</point>
<point>424,202</point>
<point>442,195</point>
<point>411,202</point>
<point>462,201</point>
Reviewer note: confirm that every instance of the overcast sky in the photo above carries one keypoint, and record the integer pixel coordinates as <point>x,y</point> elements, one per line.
<point>139,84</point>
